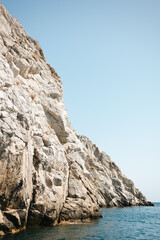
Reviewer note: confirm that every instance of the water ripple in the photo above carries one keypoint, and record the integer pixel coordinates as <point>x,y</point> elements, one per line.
<point>140,223</point>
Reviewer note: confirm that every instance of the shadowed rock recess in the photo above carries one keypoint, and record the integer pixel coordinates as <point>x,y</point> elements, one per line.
<point>48,173</point>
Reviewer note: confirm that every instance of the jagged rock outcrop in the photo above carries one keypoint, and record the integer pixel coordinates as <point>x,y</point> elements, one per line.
<point>48,174</point>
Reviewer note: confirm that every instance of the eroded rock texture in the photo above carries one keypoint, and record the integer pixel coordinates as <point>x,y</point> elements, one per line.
<point>48,173</point>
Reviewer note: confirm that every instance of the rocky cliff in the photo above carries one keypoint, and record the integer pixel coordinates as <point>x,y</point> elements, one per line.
<point>48,173</point>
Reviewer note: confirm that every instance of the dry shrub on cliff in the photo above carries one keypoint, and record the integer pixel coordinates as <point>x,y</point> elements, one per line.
<point>32,95</point>
<point>35,57</point>
<point>36,43</point>
<point>53,72</point>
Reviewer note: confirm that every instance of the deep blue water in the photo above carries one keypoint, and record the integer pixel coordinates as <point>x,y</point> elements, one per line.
<point>136,223</point>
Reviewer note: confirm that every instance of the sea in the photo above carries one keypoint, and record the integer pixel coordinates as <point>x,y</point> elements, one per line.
<point>136,223</point>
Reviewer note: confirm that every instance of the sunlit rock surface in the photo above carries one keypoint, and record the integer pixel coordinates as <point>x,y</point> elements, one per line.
<point>48,173</point>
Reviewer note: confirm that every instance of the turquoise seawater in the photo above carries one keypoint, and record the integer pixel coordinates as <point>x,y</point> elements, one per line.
<point>136,223</point>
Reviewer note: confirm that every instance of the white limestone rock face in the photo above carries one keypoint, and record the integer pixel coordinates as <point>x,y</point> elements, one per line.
<point>33,167</point>
<point>111,185</point>
<point>48,173</point>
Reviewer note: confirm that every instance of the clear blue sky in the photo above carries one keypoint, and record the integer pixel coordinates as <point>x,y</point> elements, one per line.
<point>107,53</point>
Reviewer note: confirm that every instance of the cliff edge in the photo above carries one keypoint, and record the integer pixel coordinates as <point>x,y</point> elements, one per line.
<point>48,173</point>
